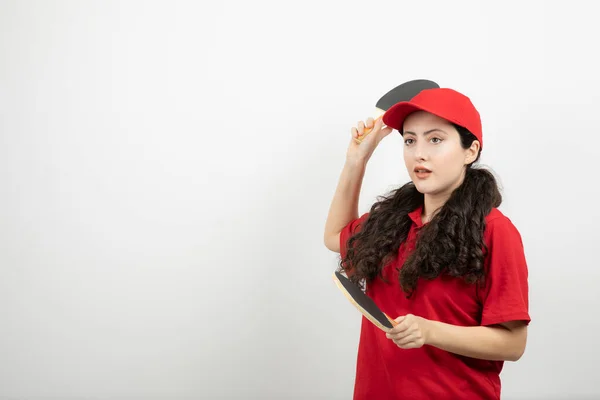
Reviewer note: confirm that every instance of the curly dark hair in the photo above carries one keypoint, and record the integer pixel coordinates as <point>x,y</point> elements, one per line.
<point>451,243</point>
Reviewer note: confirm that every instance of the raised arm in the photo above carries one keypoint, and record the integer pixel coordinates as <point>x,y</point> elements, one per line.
<point>344,206</point>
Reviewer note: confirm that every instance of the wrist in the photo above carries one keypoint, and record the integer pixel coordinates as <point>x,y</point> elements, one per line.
<point>430,329</point>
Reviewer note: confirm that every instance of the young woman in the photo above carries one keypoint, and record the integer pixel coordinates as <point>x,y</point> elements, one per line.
<point>437,253</point>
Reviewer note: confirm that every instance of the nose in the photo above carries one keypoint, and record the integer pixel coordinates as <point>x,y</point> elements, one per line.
<point>419,151</point>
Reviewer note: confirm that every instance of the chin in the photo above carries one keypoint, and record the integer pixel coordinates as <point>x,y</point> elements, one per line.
<point>423,187</point>
<point>426,188</point>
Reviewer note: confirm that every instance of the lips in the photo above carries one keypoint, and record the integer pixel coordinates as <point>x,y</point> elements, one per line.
<point>422,172</point>
<point>419,168</point>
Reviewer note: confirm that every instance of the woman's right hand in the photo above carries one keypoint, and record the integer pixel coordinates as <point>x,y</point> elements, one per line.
<point>361,152</point>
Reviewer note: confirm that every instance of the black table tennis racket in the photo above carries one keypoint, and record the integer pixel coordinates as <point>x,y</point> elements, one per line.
<point>403,92</point>
<point>363,303</point>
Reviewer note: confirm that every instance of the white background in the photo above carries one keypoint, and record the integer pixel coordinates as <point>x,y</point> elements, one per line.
<point>166,169</point>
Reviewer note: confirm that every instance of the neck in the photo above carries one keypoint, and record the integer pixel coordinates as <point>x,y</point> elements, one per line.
<point>431,204</point>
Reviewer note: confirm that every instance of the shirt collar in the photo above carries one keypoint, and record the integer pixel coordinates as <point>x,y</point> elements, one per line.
<point>415,216</point>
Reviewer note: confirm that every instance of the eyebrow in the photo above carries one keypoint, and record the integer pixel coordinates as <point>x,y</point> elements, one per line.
<point>425,133</point>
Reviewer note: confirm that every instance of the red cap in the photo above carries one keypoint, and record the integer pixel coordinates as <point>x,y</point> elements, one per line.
<point>445,103</point>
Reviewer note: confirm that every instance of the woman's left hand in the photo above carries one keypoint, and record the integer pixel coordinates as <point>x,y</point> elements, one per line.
<point>411,332</point>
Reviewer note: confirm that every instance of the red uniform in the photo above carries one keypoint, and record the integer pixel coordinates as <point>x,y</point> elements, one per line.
<point>384,371</point>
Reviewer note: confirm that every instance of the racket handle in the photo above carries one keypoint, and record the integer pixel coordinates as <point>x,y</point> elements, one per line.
<point>366,131</point>
<point>394,323</point>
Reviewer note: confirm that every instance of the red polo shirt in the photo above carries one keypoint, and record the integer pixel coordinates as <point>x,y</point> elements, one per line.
<point>384,371</point>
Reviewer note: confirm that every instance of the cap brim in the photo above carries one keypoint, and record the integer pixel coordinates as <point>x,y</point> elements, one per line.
<point>395,116</point>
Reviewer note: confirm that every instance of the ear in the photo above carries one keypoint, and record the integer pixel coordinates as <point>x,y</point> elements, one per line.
<point>472,152</point>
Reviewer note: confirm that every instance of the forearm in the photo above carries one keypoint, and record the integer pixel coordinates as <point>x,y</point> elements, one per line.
<point>344,206</point>
<point>483,342</point>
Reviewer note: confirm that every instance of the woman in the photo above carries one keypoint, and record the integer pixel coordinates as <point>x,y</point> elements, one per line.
<point>437,253</point>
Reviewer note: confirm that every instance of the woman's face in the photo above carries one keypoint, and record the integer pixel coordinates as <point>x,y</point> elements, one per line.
<point>433,154</point>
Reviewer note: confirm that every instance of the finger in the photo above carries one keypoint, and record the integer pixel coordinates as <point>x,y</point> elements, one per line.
<point>413,344</point>
<point>370,123</point>
<point>402,327</point>
<point>386,131</point>
<point>406,340</point>
<point>383,127</point>
<point>397,327</point>
<point>396,336</point>
<point>361,127</point>
<point>354,132</point>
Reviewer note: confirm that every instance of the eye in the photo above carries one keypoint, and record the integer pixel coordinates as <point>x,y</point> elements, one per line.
<point>436,140</point>
<point>408,141</point>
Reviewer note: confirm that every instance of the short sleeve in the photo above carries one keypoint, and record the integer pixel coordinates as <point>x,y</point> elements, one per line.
<point>349,230</point>
<point>505,296</point>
